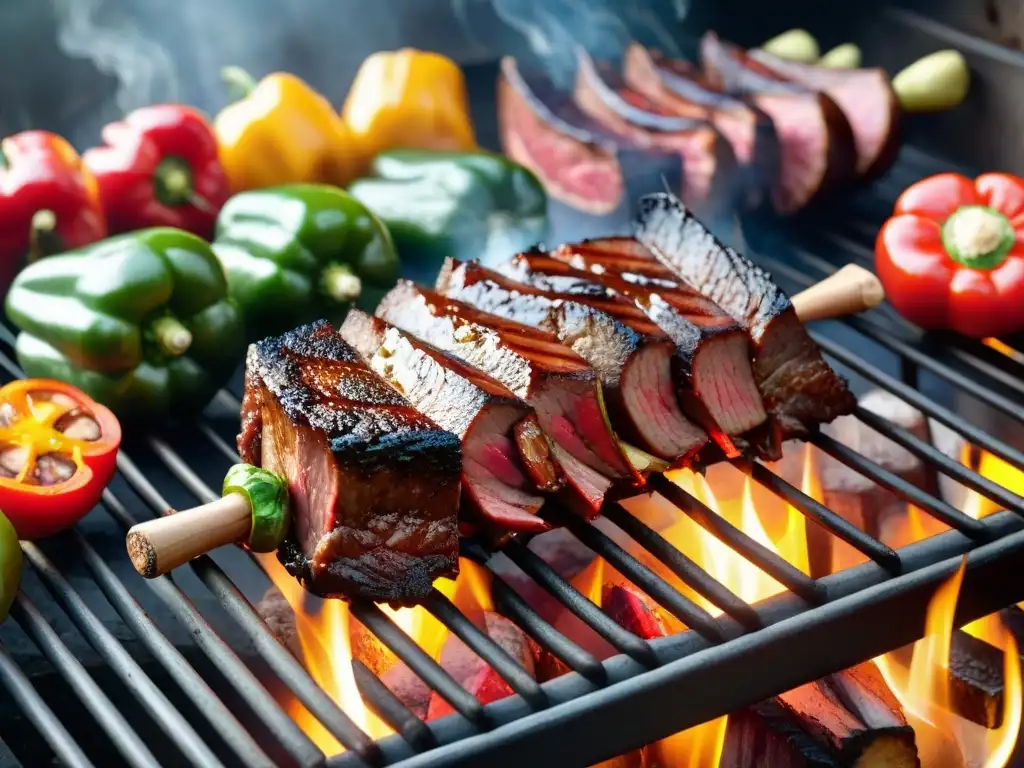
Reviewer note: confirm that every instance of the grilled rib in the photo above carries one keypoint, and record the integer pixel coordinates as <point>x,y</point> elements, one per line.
<point>561,387</point>
<point>799,388</point>
<point>482,412</point>
<point>711,362</point>
<point>374,484</point>
<point>635,366</point>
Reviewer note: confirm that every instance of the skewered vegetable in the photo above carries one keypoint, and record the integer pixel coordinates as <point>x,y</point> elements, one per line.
<point>794,44</point>
<point>474,205</point>
<point>952,256</point>
<point>49,201</point>
<point>140,322</point>
<point>257,134</point>
<point>59,451</point>
<point>301,252</point>
<point>936,82</point>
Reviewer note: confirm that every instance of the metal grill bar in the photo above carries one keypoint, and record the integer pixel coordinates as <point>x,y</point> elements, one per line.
<point>389,709</point>
<point>819,513</point>
<point>787,575</point>
<point>680,606</point>
<point>49,726</point>
<point>149,696</point>
<point>122,736</point>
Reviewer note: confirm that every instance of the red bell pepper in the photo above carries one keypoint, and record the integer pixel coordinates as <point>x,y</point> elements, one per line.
<point>59,452</point>
<point>160,167</point>
<point>952,256</point>
<point>49,201</point>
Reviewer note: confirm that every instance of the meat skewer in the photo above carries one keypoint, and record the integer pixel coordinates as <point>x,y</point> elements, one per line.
<point>312,375</point>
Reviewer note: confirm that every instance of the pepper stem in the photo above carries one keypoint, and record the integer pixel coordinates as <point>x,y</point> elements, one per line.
<point>43,240</point>
<point>340,284</point>
<point>239,82</point>
<point>171,336</point>
<point>978,237</point>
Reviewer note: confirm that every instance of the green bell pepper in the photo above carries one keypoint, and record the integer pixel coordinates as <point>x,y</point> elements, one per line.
<point>141,322</point>
<point>469,205</point>
<point>302,252</point>
<point>10,565</point>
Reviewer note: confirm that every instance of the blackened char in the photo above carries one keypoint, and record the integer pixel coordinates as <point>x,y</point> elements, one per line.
<point>709,166</point>
<point>374,484</point>
<point>818,150</point>
<point>481,411</point>
<point>749,130</point>
<point>635,366</point>
<point>562,388</point>
<point>711,362</point>
<point>799,388</point>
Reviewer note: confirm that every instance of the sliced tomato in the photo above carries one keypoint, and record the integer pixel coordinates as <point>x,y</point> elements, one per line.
<point>58,451</point>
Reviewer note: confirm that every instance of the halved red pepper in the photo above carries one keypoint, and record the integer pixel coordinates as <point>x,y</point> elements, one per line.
<point>58,451</point>
<point>952,256</point>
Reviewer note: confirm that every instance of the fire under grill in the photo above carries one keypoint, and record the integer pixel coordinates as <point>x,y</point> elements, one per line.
<point>208,693</point>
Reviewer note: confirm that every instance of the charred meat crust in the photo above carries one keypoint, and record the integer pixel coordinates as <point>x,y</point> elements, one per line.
<point>799,388</point>
<point>327,412</point>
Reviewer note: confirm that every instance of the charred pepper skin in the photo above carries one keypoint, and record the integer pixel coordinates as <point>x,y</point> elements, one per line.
<point>302,252</point>
<point>141,322</point>
<point>467,205</point>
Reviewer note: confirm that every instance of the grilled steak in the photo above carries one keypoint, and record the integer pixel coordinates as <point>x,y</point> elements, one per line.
<point>635,367</point>
<point>581,164</point>
<point>480,410</point>
<point>374,484</point>
<point>561,387</point>
<point>866,98</point>
<point>711,364</point>
<point>709,166</point>
<point>818,151</point>
<point>799,388</point>
<point>674,89</point>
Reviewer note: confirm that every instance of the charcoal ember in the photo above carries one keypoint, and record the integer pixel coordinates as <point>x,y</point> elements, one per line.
<point>280,619</point>
<point>473,673</point>
<point>632,610</point>
<point>408,689</point>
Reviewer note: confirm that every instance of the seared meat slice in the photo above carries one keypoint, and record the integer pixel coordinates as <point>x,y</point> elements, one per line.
<point>635,366</point>
<point>480,410</point>
<point>818,151</point>
<point>561,387</point>
<point>712,352</point>
<point>374,484</point>
<point>799,388</point>
<point>749,130</point>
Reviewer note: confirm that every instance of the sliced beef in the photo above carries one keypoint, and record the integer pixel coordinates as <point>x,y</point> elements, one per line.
<point>562,388</point>
<point>748,129</point>
<point>635,366</point>
<point>818,151</point>
<point>374,483</point>
<point>482,412</point>
<point>864,95</point>
<point>799,388</point>
<point>581,164</point>
<point>711,365</point>
<point>710,173</point>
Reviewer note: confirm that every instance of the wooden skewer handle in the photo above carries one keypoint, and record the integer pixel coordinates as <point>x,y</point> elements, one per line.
<point>851,290</point>
<point>161,545</point>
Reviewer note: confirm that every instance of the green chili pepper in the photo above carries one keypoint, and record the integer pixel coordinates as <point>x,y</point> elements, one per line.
<point>469,205</point>
<point>302,252</point>
<point>141,322</point>
<point>10,565</point>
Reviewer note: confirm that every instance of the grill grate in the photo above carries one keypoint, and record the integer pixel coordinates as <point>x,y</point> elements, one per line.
<point>747,654</point>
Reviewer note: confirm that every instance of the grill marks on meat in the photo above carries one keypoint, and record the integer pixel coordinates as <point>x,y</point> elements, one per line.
<point>709,165</point>
<point>818,151</point>
<point>799,388</point>
<point>374,484</point>
<point>710,365</point>
<point>633,359</point>
<point>561,387</point>
<point>482,412</point>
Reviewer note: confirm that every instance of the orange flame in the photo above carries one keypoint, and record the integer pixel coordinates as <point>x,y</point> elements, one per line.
<point>944,739</point>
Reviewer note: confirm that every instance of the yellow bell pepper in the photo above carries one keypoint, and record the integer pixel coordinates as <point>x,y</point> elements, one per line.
<point>408,99</point>
<point>281,132</point>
